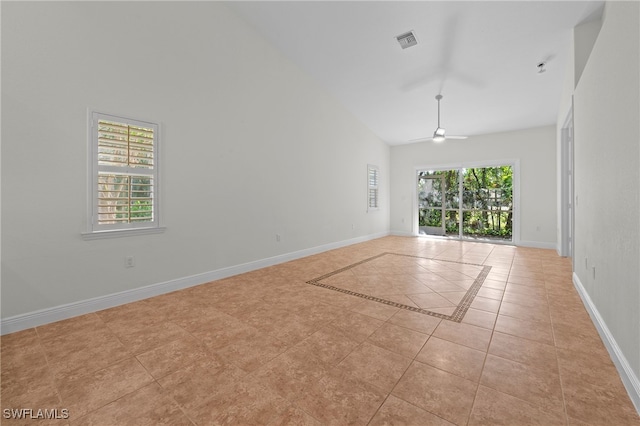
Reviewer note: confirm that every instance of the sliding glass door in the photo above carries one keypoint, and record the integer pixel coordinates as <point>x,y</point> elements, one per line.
<point>438,202</point>
<point>486,210</point>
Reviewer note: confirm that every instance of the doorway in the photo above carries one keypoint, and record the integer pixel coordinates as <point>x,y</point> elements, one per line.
<point>567,188</point>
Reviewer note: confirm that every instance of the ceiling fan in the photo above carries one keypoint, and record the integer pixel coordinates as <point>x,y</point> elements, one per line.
<point>439,133</point>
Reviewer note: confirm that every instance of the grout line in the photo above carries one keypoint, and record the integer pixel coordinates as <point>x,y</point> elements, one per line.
<point>413,360</point>
<point>555,350</point>
<point>121,396</point>
<point>50,372</point>
<point>486,355</point>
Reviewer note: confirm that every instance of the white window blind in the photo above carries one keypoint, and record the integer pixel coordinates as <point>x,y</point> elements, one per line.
<point>124,173</point>
<point>373,193</point>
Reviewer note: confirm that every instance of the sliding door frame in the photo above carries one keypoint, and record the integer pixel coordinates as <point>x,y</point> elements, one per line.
<point>515,165</point>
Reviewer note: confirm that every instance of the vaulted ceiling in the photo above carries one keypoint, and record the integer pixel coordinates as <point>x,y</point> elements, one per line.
<point>482,56</point>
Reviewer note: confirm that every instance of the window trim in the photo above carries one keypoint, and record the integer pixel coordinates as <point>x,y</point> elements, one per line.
<point>376,187</point>
<point>95,231</point>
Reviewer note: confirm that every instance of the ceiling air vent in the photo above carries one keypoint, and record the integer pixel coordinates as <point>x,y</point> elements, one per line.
<point>407,40</point>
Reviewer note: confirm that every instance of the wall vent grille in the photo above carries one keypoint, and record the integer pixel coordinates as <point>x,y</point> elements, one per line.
<point>407,40</point>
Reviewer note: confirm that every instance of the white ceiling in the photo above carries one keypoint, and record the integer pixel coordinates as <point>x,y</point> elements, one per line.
<point>481,55</point>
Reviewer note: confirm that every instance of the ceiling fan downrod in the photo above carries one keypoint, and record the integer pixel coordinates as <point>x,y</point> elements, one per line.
<point>438,134</point>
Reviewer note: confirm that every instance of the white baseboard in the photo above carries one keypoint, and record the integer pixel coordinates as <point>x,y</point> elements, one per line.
<point>629,378</point>
<point>537,244</point>
<point>533,244</point>
<point>58,313</point>
<point>403,234</point>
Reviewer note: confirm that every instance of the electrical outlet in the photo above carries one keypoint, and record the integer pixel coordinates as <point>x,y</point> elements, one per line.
<point>129,262</point>
<point>278,237</point>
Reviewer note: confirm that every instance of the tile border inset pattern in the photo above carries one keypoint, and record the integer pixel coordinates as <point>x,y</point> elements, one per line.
<point>456,316</point>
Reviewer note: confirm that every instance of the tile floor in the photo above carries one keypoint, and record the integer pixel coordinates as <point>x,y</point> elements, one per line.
<point>375,345</point>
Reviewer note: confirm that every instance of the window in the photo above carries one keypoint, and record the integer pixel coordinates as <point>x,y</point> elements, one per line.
<point>373,176</point>
<point>124,175</point>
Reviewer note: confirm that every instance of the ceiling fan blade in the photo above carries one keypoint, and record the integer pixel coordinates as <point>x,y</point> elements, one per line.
<point>421,140</point>
<point>429,139</point>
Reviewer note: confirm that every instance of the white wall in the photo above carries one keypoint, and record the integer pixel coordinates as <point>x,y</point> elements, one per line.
<point>534,148</point>
<point>584,36</point>
<point>607,181</point>
<point>250,147</point>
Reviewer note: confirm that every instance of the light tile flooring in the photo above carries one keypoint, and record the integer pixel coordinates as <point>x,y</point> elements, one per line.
<point>368,341</point>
